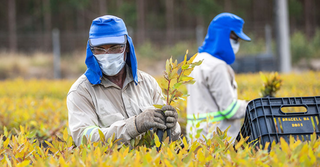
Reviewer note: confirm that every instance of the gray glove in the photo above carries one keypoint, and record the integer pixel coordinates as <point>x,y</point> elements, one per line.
<point>150,118</point>
<point>171,116</point>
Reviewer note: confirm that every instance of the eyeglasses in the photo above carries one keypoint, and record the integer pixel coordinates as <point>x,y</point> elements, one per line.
<point>234,36</point>
<point>112,50</point>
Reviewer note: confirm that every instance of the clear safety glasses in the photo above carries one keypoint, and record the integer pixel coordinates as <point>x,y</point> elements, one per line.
<point>119,48</point>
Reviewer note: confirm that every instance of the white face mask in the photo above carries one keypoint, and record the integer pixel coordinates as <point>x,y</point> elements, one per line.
<point>111,64</point>
<point>235,45</point>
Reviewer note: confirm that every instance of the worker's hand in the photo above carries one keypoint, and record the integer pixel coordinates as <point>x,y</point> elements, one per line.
<point>171,116</point>
<point>150,118</point>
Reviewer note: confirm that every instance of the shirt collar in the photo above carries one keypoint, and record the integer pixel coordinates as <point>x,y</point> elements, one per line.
<point>129,78</point>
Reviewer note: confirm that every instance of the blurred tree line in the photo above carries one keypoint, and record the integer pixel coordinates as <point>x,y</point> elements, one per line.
<point>169,16</point>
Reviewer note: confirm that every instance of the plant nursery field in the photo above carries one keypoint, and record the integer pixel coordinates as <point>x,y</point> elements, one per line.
<point>34,119</point>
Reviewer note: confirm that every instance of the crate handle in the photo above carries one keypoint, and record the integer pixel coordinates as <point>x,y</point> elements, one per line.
<point>294,109</point>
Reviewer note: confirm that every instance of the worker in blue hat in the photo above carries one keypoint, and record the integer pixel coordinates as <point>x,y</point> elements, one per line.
<point>214,94</point>
<point>113,96</point>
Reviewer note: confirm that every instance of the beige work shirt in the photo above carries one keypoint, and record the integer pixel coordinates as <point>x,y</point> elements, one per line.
<point>111,109</point>
<point>214,94</point>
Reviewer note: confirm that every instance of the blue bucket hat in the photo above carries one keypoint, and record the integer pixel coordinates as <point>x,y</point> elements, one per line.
<point>108,29</point>
<point>217,40</point>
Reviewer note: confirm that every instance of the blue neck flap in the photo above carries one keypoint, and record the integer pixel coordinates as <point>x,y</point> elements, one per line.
<point>105,27</point>
<point>217,40</point>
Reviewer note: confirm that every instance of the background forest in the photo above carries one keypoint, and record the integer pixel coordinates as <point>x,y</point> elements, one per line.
<point>160,29</point>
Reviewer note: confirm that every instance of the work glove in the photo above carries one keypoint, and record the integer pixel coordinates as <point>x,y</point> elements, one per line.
<point>150,118</point>
<point>171,116</point>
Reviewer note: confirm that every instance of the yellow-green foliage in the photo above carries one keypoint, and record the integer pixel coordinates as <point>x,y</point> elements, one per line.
<point>293,85</point>
<point>271,84</point>
<point>41,104</point>
<point>19,150</point>
<point>34,113</point>
<point>173,79</point>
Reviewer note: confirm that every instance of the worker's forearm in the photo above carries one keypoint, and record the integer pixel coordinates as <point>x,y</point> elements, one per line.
<point>123,130</point>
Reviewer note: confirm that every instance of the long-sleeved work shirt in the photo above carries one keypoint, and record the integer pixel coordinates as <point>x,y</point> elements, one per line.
<point>110,108</point>
<point>214,94</point>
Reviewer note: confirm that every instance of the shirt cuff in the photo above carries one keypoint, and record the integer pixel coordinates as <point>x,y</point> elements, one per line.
<point>131,127</point>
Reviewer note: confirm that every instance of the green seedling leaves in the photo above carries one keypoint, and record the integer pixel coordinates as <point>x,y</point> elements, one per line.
<point>271,84</point>
<point>172,79</point>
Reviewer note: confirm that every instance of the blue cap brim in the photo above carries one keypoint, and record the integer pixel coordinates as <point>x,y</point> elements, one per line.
<point>108,40</point>
<point>243,36</point>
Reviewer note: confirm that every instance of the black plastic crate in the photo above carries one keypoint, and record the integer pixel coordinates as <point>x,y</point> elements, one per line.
<point>267,121</point>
